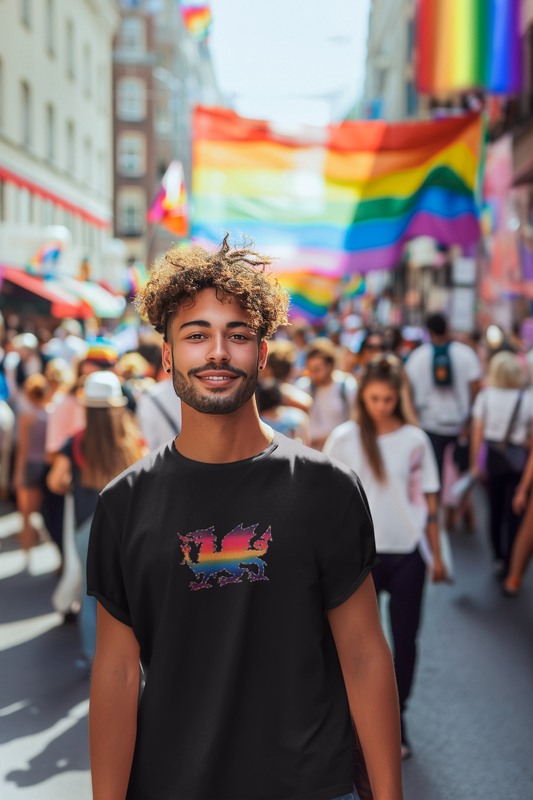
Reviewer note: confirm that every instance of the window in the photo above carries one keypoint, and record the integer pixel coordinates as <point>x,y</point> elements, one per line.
<point>25,12</point>
<point>70,48</point>
<point>70,147</point>
<point>131,99</point>
<point>87,70</point>
<point>50,27</point>
<point>131,210</point>
<point>411,99</point>
<point>48,212</point>
<point>131,154</point>
<point>132,36</point>
<point>102,173</point>
<point>1,94</point>
<point>88,159</point>
<point>25,114</point>
<point>50,132</point>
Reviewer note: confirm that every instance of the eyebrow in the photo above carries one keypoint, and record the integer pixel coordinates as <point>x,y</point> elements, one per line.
<point>203,323</point>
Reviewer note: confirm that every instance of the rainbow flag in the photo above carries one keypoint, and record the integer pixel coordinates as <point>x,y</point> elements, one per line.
<point>336,200</point>
<point>196,16</point>
<point>47,255</point>
<point>169,208</point>
<point>468,43</point>
<point>135,276</point>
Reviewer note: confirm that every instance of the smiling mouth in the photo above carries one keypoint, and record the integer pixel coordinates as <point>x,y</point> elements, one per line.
<point>218,380</point>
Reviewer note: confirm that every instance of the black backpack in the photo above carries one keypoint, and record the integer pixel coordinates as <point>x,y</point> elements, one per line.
<point>442,365</point>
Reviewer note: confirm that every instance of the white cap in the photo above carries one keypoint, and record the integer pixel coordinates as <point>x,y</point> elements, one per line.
<point>101,390</point>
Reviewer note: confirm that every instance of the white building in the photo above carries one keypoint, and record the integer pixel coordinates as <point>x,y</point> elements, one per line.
<point>56,154</point>
<point>390,73</point>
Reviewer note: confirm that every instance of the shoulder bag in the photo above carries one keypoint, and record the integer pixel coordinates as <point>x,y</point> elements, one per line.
<point>505,458</point>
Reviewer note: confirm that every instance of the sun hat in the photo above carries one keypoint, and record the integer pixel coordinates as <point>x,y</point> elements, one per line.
<point>102,352</point>
<point>101,390</point>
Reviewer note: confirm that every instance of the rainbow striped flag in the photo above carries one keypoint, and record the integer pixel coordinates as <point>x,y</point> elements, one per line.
<point>196,16</point>
<point>337,200</point>
<point>468,43</point>
<point>47,256</point>
<point>311,295</point>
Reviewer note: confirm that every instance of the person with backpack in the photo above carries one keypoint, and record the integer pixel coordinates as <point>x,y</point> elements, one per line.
<point>445,378</point>
<point>333,391</point>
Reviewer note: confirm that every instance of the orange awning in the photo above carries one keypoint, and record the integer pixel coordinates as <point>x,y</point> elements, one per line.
<point>63,303</point>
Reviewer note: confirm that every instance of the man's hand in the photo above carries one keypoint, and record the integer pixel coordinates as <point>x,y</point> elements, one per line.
<point>520,500</point>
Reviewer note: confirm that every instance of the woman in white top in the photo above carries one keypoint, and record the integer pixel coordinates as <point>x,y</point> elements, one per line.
<point>397,467</point>
<point>504,401</point>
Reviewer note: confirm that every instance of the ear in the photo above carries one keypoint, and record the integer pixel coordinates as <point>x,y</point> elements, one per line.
<point>263,350</point>
<point>166,357</point>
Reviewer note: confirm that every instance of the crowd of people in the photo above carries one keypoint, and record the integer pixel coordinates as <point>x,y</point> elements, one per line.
<point>413,412</point>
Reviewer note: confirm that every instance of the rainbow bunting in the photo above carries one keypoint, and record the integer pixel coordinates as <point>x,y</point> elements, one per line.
<point>196,16</point>
<point>311,295</point>
<point>463,44</point>
<point>341,200</point>
<point>169,208</point>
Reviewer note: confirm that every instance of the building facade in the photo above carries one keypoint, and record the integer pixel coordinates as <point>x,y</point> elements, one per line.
<point>390,91</point>
<point>56,129</point>
<point>159,74</point>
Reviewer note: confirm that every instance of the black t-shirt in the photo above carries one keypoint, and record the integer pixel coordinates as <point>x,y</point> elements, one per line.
<point>225,572</point>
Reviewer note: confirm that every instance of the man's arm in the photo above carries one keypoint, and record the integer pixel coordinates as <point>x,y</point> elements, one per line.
<point>368,672</point>
<point>113,708</point>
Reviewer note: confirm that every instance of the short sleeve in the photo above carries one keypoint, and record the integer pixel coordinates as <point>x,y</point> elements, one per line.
<point>350,553</point>
<point>105,580</point>
<point>479,407</point>
<point>429,478</point>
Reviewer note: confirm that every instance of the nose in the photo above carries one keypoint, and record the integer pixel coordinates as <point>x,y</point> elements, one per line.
<point>218,349</point>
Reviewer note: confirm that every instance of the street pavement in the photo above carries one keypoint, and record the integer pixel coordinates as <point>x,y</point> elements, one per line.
<point>470,718</point>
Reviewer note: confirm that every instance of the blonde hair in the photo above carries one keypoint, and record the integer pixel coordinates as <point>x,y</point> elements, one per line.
<point>506,372</point>
<point>60,372</point>
<point>36,387</point>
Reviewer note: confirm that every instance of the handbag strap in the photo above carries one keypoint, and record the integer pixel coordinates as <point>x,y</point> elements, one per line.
<point>513,419</point>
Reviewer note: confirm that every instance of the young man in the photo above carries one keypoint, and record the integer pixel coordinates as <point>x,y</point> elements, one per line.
<point>333,392</point>
<point>236,566</point>
<point>445,378</point>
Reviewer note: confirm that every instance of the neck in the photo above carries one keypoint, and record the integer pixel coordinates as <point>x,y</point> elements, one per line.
<point>439,339</point>
<point>387,425</point>
<point>222,438</point>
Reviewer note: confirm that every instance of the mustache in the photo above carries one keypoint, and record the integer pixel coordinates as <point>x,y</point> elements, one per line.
<point>234,370</point>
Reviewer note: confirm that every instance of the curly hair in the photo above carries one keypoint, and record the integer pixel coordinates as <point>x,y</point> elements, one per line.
<point>242,273</point>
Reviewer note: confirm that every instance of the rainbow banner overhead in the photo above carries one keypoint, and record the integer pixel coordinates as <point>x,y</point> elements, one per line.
<point>335,201</point>
<point>463,44</point>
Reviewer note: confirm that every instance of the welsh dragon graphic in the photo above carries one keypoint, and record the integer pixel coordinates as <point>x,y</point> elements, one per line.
<point>239,554</point>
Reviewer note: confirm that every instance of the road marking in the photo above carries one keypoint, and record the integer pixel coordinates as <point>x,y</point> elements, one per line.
<point>15,633</point>
<point>4,712</point>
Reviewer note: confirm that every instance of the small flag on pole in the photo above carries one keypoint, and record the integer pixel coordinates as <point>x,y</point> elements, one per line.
<point>169,208</point>
<point>196,16</point>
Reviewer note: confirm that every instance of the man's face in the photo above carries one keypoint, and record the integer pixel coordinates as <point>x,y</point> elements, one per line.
<point>319,370</point>
<point>213,355</point>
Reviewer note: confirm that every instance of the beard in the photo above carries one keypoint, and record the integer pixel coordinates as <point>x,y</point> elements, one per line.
<point>218,401</point>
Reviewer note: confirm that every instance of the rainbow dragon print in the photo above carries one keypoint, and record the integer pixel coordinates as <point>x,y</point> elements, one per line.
<point>240,554</point>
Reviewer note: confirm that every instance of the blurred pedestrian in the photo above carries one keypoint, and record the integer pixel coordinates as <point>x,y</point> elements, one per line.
<point>103,355</point>
<point>30,458</point>
<point>109,444</point>
<point>159,414</point>
<point>370,344</point>
<point>291,421</point>
<point>523,545</point>
<point>134,371</point>
<point>23,360</point>
<point>397,467</point>
<point>503,415</point>
<point>333,392</point>
<point>60,377</point>
<point>281,360</point>
<point>445,378</point>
